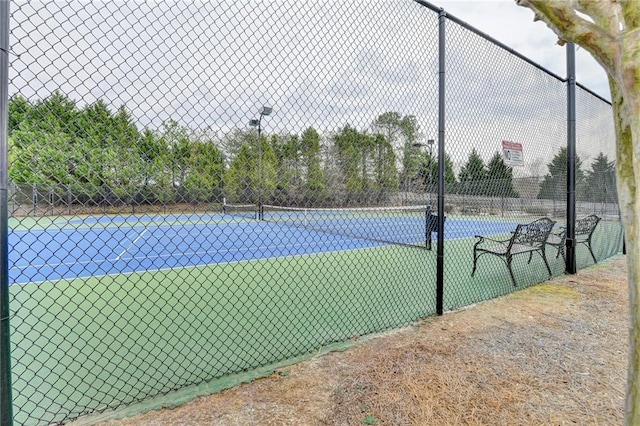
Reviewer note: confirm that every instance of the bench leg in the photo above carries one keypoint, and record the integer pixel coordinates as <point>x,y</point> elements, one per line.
<point>475,262</point>
<point>513,279</point>
<point>544,257</point>
<point>428,241</point>
<point>475,257</point>
<point>591,251</point>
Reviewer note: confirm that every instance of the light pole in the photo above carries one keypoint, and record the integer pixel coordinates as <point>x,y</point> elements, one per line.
<point>430,143</point>
<point>264,111</point>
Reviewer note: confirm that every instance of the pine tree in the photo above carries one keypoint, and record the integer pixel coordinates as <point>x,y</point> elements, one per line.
<point>499,178</point>
<point>554,185</point>
<point>601,181</point>
<point>473,175</point>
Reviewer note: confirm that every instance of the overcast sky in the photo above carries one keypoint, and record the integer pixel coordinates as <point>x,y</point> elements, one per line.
<point>322,63</point>
<point>513,25</point>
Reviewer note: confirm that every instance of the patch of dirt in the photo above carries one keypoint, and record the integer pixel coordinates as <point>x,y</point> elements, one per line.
<point>552,354</point>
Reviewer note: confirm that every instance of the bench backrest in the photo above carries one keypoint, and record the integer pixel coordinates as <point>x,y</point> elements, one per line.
<point>586,225</point>
<point>533,234</point>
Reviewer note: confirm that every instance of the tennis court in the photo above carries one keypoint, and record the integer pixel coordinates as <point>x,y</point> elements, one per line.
<point>96,246</point>
<point>106,306</point>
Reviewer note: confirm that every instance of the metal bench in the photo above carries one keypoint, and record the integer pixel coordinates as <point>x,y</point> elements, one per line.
<point>527,238</point>
<point>583,232</point>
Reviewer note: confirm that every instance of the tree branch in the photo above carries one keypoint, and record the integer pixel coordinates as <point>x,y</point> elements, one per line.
<point>631,13</point>
<point>605,13</point>
<point>598,38</point>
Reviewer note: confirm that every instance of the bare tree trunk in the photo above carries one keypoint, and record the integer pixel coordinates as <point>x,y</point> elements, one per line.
<point>612,35</point>
<point>627,125</point>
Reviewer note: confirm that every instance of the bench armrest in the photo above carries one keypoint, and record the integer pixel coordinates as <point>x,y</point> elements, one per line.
<point>481,239</point>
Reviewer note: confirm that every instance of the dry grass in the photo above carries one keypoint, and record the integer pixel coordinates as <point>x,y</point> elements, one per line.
<point>553,354</point>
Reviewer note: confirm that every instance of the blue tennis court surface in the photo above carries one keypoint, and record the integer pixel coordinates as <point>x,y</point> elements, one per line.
<point>108,245</point>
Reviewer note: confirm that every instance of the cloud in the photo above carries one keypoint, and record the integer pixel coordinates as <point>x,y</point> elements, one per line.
<point>323,64</point>
<point>513,25</point>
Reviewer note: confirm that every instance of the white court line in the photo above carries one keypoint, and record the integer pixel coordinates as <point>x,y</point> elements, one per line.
<point>133,243</point>
<point>197,265</point>
<point>229,250</point>
<point>322,242</point>
<point>170,255</point>
<point>53,265</point>
<point>207,251</point>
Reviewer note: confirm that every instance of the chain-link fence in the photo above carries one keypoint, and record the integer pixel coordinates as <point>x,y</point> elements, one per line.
<point>200,189</point>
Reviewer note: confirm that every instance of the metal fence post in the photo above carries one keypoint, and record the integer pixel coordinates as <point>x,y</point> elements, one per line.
<point>6,414</point>
<point>571,159</point>
<point>441,166</point>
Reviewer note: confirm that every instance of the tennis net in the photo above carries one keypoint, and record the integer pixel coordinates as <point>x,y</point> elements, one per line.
<point>247,211</point>
<point>404,225</point>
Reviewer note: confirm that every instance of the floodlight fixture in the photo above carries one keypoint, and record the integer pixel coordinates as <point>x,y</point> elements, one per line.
<point>429,143</point>
<point>257,122</point>
<point>266,110</point>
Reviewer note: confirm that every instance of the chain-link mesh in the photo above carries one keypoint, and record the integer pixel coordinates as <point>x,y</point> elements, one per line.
<point>596,179</point>
<point>199,189</point>
<point>495,96</point>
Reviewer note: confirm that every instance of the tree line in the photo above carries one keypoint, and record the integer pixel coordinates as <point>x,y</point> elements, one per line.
<point>94,155</point>
<point>598,184</point>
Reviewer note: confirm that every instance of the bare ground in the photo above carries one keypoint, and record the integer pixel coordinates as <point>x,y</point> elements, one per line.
<point>553,354</point>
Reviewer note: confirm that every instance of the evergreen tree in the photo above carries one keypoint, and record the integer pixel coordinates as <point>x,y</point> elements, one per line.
<point>367,165</point>
<point>240,180</point>
<point>206,169</point>
<point>601,181</point>
<point>245,181</point>
<point>288,152</point>
<point>87,151</point>
<point>351,147</point>
<point>500,178</point>
<point>473,175</point>
<point>554,184</point>
<point>101,156</point>
<point>57,113</point>
<point>19,109</point>
<point>176,138</point>
<point>154,180</point>
<point>385,174</point>
<point>428,172</point>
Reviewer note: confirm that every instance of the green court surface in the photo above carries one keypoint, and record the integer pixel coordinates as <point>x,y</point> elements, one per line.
<point>92,344</point>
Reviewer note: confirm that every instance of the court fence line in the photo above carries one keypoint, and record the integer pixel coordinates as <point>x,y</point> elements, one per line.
<point>194,191</point>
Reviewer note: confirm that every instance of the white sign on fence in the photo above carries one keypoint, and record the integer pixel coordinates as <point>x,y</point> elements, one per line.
<point>512,153</point>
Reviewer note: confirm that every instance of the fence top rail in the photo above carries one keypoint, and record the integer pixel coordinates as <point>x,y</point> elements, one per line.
<point>496,42</point>
<point>591,92</point>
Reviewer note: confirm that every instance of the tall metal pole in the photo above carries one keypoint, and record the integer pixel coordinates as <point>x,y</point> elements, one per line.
<point>6,410</point>
<point>430,143</point>
<point>570,251</point>
<point>260,210</point>
<point>441,110</point>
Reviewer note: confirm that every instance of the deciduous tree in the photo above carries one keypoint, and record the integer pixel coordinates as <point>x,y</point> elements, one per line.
<point>610,31</point>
